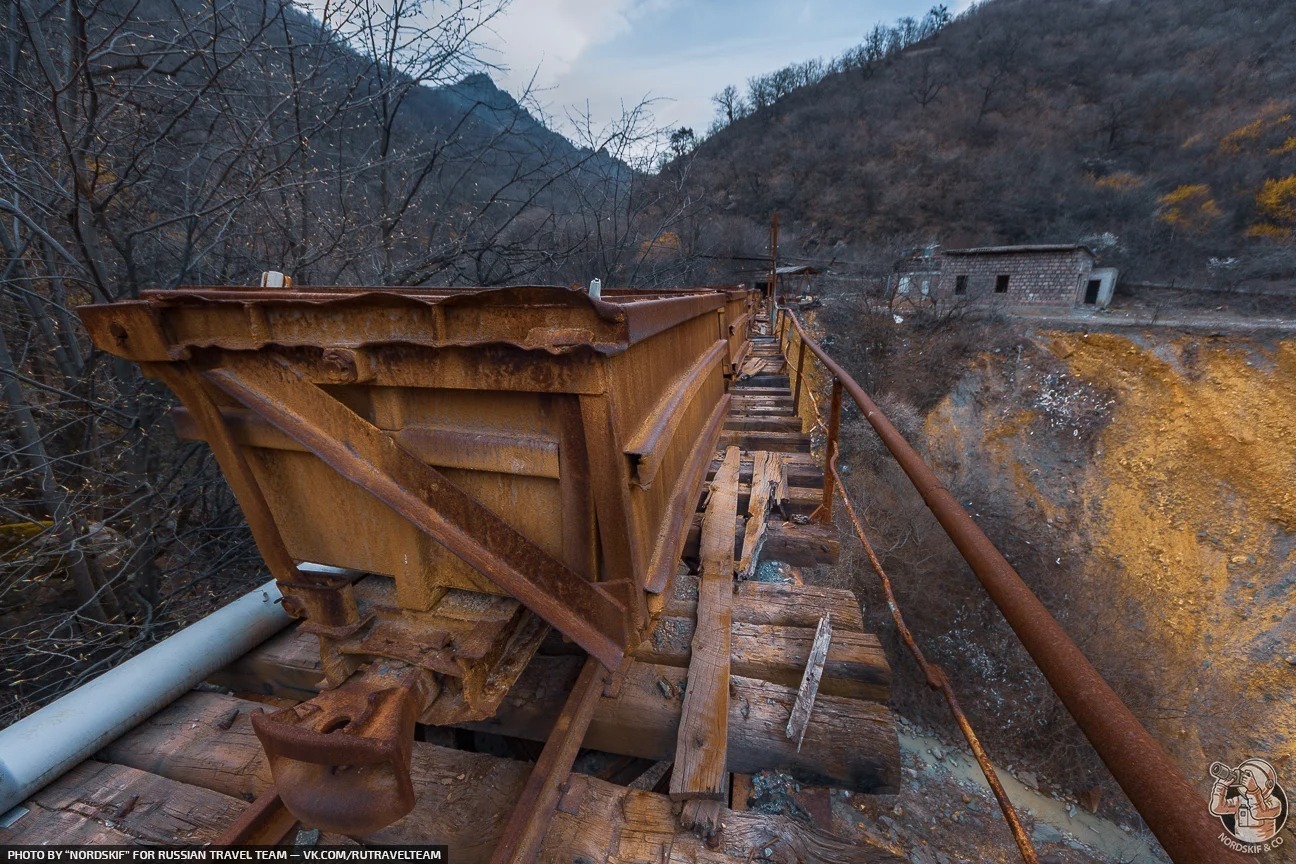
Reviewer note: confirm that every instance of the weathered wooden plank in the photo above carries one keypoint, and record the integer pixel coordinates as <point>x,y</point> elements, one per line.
<point>856,666</point>
<point>761,411</point>
<point>809,688</point>
<point>762,424</point>
<point>781,498</point>
<point>808,545</point>
<point>103,804</point>
<point>761,406</point>
<point>765,412</point>
<point>762,397</point>
<point>802,469</point>
<point>801,500</point>
<point>196,738</point>
<point>703,730</point>
<point>287,665</point>
<point>781,442</point>
<point>773,397</point>
<point>757,508</point>
<point>849,744</point>
<point>766,380</point>
<point>464,799</point>
<point>771,632</point>
<point>779,604</point>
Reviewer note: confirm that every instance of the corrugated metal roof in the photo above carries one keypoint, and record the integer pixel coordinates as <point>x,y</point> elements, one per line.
<point>1009,250</point>
<point>796,269</point>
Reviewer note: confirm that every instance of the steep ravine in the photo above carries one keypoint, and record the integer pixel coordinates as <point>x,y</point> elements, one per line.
<point>1161,468</point>
<point>1144,484</point>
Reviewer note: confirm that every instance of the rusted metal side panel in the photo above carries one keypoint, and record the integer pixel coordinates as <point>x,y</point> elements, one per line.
<point>740,306</point>
<point>505,456</point>
<point>656,504</point>
<point>664,390</point>
<point>554,320</point>
<point>362,454</point>
<point>648,445</point>
<point>673,531</point>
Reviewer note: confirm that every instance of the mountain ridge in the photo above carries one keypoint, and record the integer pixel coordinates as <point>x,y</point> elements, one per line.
<point>1160,133</point>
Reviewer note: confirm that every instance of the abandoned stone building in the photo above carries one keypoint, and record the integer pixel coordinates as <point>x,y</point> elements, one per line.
<point>1056,275</point>
<point>1025,276</point>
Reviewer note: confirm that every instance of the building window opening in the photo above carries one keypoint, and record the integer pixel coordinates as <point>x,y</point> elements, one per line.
<point>960,284</point>
<point>1091,291</point>
<point>1001,283</point>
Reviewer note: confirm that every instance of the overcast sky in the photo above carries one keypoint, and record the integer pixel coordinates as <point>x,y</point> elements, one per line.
<point>679,52</point>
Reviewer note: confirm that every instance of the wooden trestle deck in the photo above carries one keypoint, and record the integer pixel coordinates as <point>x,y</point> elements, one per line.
<point>710,690</point>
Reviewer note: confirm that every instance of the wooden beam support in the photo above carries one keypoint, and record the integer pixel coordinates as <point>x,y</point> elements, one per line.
<point>801,500</point>
<point>856,666</point>
<point>765,473</point>
<point>808,545</point>
<point>782,442</point>
<point>849,744</point>
<point>762,424</point>
<point>464,799</point>
<point>771,633</point>
<point>704,725</point>
<point>802,469</point>
<point>98,804</point>
<point>779,604</point>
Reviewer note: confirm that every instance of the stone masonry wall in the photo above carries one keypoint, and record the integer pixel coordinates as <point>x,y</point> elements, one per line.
<point>1034,278</point>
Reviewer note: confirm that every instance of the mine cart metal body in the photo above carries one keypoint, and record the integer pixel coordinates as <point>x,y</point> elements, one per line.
<point>509,457</point>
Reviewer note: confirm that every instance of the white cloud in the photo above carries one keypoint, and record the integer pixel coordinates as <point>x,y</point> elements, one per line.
<point>610,53</point>
<point>546,38</point>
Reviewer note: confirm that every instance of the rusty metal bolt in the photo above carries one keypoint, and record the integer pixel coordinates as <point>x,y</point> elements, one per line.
<point>340,365</point>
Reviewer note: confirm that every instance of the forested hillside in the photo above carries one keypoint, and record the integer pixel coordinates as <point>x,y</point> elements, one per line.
<point>1160,133</point>
<point>158,143</point>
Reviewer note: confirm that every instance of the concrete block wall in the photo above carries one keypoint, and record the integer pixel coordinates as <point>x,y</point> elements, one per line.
<point>1053,278</point>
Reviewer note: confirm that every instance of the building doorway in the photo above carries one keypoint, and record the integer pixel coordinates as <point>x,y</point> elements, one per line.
<point>1091,292</point>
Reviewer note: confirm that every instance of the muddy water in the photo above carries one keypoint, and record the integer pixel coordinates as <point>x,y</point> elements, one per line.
<point>1106,838</point>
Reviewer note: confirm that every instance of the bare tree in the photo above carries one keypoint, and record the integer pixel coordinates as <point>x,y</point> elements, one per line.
<point>729,105</point>
<point>926,78</point>
<point>154,143</point>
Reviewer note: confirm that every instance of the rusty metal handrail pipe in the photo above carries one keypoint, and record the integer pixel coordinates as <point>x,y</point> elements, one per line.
<point>1155,785</point>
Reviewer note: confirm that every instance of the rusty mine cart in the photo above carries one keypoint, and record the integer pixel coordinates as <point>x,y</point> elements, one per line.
<point>538,502</point>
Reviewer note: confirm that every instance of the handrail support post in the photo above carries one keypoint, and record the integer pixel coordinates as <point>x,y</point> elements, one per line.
<point>824,511</point>
<point>800,368</point>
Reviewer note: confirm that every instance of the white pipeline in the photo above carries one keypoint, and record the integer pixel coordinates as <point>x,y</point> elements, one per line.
<point>39,748</point>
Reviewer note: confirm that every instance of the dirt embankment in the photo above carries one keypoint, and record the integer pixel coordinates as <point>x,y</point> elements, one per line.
<point>1159,471</point>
